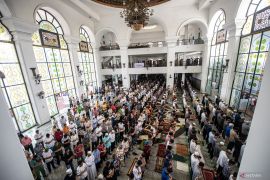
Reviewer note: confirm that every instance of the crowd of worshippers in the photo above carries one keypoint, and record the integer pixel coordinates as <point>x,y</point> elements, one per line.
<point>105,124</point>
<point>220,126</point>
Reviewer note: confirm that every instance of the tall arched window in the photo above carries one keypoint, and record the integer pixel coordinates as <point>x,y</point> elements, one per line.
<point>13,84</point>
<point>218,53</point>
<point>86,60</point>
<point>252,54</point>
<point>53,62</point>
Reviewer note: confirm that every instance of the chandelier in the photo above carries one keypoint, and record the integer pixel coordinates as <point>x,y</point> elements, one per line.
<point>136,13</point>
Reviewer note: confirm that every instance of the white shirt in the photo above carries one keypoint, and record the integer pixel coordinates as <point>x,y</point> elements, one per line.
<point>194,161</point>
<point>90,160</point>
<point>99,131</point>
<point>82,171</point>
<point>49,142</point>
<point>193,146</point>
<point>72,127</point>
<point>112,137</point>
<point>222,159</point>
<point>121,127</point>
<point>47,155</point>
<point>203,117</point>
<point>38,137</point>
<point>137,173</point>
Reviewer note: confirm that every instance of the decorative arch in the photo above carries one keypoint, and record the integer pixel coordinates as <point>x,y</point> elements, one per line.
<point>252,54</point>
<point>57,15</point>
<point>218,53</point>
<point>53,60</point>
<point>199,21</point>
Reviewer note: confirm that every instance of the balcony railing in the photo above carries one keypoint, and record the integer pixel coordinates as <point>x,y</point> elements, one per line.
<point>109,47</point>
<point>111,66</point>
<point>147,45</point>
<point>190,41</point>
<point>147,64</point>
<point>188,62</point>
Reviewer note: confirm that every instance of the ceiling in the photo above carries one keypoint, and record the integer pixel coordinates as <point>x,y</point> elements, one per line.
<point>119,3</point>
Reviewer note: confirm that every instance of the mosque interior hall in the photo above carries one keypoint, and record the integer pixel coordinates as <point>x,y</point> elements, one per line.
<point>134,89</point>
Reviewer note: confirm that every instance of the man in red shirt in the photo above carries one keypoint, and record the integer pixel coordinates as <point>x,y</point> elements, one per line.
<point>79,151</point>
<point>58,135</point>
<point>101,147</point>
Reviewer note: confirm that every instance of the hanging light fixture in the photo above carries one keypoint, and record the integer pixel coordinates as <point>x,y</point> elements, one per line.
<point>136,13</point>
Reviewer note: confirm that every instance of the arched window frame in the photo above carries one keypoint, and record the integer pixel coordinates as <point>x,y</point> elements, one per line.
<point>22,113</point>
<point>218,53</point>
<point>250,62</point>
<point>86,60</point>
<point>60,84</point>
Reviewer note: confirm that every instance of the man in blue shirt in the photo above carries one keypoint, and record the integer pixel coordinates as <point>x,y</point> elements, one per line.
<point>96,154</point>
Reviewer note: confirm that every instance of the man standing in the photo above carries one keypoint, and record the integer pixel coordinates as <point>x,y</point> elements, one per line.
<point>48,157</point>
<point>27,143</point>
<point>39,137</point>
<point>137,171</point>
<point>91,166</point>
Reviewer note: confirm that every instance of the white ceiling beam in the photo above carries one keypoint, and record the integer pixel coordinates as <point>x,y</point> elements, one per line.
<point>88,10</point>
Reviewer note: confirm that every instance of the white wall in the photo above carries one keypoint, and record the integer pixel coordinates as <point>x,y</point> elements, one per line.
<point>147,37</point>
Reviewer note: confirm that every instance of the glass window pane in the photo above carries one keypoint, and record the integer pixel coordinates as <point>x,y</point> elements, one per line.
<point>7,53</point>
<point>256,39</point>
<point>17,95</point>
<point>51,105</point>
<point>47,87</point>
<point>248,83</point>
<point>24,116</point>
<point>57,57</point>
<point>67,69</point>
<point>63,84</point>
<point>53,70</point>
<point>238,81</point>
<point>256,85</point>
<point>49,55</point>
<point>13,74</point>
<point>245,43</point>
<point>265,43</point>
<point>59,68</point>
<point>70,83</point>
<point>261,63</point>
<point>65,56</point>
<point>43,70</point>
<point>252,62</point>
<point>235,98</point>
<point>241,63</point>
<point>56,85</point>
<point>39,54</point>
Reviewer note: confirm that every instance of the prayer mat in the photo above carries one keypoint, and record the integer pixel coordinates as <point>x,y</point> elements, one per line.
<point>182,149</point>
<point>208,174</point>
<point>179,158</point>
<point>182,166</point>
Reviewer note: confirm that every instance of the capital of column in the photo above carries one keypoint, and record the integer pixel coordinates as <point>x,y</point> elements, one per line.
<point>171,40</point>
<point>123,43</point>
<point>235,28</point>
<point>21,30</point>
<point>72,39</point>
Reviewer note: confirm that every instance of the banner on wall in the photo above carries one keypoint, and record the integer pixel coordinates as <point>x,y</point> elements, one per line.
<point>138,65</point>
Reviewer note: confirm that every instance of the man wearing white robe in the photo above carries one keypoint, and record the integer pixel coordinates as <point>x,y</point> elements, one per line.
<point>91,166</point>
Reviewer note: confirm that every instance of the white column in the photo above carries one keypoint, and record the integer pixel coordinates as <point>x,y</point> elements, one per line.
<point>73,47</point>
<point>13,161</point>
<point>124,59</point>
<point>171,43</point>
<point>234,31</point>
<point>22,36</point>
<point>98,61</point>
<point>255,161</point>
<point>205,62</point>
<point>183,77</point>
